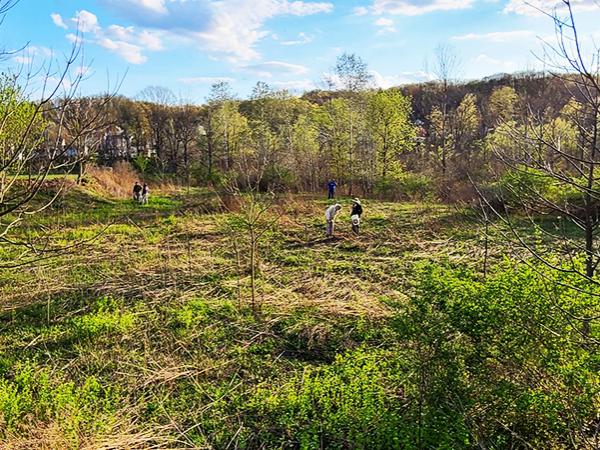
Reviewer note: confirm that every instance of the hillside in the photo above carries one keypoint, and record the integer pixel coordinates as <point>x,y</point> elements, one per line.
<point>144,337</point>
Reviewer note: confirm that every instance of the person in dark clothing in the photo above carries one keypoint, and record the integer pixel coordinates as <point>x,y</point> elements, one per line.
<point>137,192</point>
<point>355,214</point>
<point>331,189</point>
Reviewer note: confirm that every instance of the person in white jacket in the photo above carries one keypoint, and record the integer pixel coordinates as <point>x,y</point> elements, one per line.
<point>330,214</point>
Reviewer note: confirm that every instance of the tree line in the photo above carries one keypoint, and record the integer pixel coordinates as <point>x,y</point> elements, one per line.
<point>414,140</point>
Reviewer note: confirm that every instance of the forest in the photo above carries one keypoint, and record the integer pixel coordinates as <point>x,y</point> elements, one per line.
<point>217,314</point>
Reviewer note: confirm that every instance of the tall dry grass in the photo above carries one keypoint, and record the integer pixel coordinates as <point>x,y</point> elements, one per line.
<point>115,182</point>
<point>118,181</point>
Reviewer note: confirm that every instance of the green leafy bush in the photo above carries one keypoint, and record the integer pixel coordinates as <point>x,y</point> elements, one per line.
<point>405,186</point>
<point>356,401</point>
<point>506,354</point>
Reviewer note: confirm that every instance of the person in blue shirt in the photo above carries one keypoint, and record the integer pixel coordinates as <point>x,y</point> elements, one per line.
<point>331,189</point>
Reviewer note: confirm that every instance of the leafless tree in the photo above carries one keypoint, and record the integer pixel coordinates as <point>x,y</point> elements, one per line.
<point>446,68</point>
<point>35,101</point>
<point>566,157</point>
<point>85,122</point>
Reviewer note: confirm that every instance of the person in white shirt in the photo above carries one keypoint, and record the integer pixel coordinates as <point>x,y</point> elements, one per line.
<point>330,214</point>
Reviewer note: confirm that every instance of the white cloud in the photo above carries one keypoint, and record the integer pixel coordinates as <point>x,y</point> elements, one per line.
<point>126,42</point>
<point>484,59</point>
<point>74,38</point>
<point>387,81</point>
<point>28,54</point>
<point>386,25</point>
<point>231,28</point>
<point>119,32</point>
<point>499,36</point>
<point>150,40</point>
<point>295,85</point>
<point>384,22</point>
<point>58,20</point>
<point>302,39</point>
<point>206,80</point>
<point>129,52</point>
<point>85,21</point>
<point>153,5</point>
<point>19,59</point>
<point>417,7</point>
<point>82,71</point>
<point>360,11</point>
<point>268,68</point>
<point>535,7</point>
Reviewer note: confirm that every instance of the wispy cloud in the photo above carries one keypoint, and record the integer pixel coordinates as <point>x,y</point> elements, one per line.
<point>302,39</point>
<point>58,21</point>
<point>205,80</point>
<point>295,85</point>
<point>360,11</point>
<point>502,64</point>
<point>269,68</point>
<point>387,81</point>
<point>28,54</point>
<point>385,25</point>
<point>126,42</point>
<point>497,36</point>
<point>417,7</point>
<point>231,28</point>
<point>535,7</point>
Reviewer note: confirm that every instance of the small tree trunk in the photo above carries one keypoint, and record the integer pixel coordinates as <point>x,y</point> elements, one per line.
<point>253,269</point>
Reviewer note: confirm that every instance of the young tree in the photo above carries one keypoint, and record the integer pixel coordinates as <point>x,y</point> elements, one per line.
<point>351,75</point>
<point>389,122</point>
<point>465,125</point>
<point>545,155</point>
<point>501,106</point>
<point>186,131</point>
<point>224,127</point>
<point>446,68</point>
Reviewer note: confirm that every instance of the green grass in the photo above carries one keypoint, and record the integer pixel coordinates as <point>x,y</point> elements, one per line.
<point>144,335</point>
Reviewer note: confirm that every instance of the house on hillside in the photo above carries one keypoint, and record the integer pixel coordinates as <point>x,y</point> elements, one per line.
<point>118,145</point>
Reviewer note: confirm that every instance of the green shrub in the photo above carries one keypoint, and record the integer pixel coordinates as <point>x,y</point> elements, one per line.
<point>505,354</point>
<point>405,186</point>
<point>357,401</point>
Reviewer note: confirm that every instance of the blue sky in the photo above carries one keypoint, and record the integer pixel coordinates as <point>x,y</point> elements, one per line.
<point>186,45</point>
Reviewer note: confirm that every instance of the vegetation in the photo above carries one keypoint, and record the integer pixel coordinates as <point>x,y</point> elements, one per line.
<point>148,336</point>
<point>218,315</point>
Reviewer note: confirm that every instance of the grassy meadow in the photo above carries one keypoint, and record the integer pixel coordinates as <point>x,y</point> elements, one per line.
<point>139,332</point>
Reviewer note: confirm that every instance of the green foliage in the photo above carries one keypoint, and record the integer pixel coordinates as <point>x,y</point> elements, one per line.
<point>22,123</point>
<point>516,186</point>
<point>358,343</point>
<point>354,401</point>
<point>141,163</point>
<point>405,186</point>
<point>29,397</point>
<point>505,354</point>
<point>389,119</point>
<point>502,105</point>
<point>104,322</point>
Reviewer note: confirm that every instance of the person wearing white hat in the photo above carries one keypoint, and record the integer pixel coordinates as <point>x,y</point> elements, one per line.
<point>355,215</point>
<point>330,214</point>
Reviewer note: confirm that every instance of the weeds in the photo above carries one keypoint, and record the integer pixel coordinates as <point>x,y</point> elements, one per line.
<point>139,340</point>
